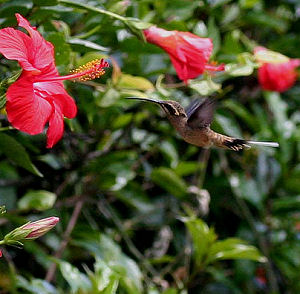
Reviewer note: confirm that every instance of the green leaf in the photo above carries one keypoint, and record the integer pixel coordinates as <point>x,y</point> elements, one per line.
<point>245,66</point>
<point>39,200</point>
<point>62,49</point>
<point>2,100</point>
<point>231,13</point>
<point>170,153</point>
<point>103,278</point>
<point>205,87</point>
<point>2,209</point>
<point>286,204</point>
<point>14,6</point>
<point>112,287</point>
<point>170,181</point>
<point>136,27</point>
<point>17,154</point>
<point>203,237</point>
<point>87,44</point>
<point>247,188</point>
<point>123,174</point>
<point>138,24</point>
<point>45,2</point>
<point>285,128</point>
<point>259,18</point>
<point>110,253</point>
<point>228,125</point>
<point>76,279</point>
<point>171,291</point>
<point>133,24</point>
<point>185,168</point>
<point>279,109</point>
<point>237,70</point>
<point>247,4</point>
<point>233,248</point>
<point>131,82</point>
<point>214,34</point>
<point>35,286</point>
<point>109,98</point>
<point>241,111</point>
<point>231,45</point>
<point>4,84</point>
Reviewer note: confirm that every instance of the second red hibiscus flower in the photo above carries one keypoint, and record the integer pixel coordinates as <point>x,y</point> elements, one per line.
<point>189,53</point>
<point>276,72</point>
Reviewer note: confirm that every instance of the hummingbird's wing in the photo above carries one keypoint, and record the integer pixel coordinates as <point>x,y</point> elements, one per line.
<point>200,113</point>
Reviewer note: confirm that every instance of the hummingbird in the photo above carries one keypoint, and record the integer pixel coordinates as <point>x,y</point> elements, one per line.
<point>193,124</point>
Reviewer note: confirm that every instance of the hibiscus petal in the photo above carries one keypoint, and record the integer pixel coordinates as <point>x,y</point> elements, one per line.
<point>58,93</point>
<point>56,126</point>
<point>277,77</point>
<point>189,53</point>
<point>14,45</point>
<point>26,110</point>
<point>181,69</point>
<point>202,45</point>
<point>67,104</point>
<point>42,52</point>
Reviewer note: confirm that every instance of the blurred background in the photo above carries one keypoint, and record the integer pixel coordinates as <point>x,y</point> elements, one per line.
<point>140,210</point>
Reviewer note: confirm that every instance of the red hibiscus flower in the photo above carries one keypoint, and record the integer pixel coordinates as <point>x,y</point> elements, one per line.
<point>276,72</point>
<point>188,52</point>
<point>38,96</point>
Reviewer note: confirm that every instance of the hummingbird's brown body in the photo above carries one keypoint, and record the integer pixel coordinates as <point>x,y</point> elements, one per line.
<point>193,124</point>
<point>201,137</point>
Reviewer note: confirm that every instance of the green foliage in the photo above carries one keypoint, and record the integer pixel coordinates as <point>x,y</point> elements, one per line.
<point>139,208</point>
<point>208,250</point>
<point>40,200</point>
<point>17,153</point>
<point>112,267</point>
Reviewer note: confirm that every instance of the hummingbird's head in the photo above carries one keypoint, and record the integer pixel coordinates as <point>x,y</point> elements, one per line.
<point>173,108</point>
<point>170,107</point>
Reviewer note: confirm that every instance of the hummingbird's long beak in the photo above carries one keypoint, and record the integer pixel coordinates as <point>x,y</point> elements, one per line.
<point>147,99</point>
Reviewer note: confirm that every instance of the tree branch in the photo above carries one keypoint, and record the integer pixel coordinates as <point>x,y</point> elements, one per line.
<point>66,237</point>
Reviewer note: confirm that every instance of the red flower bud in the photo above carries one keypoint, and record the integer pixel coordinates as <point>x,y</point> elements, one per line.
<point>189,53</point>
<point>40,227</point>
<point>30,231</point>
<point>276,72</point>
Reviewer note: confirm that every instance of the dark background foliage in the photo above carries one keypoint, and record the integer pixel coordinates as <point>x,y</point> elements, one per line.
<point>129,192</point>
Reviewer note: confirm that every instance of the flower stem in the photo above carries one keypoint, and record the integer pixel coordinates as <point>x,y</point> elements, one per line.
<point>91,8</point>
<point>248,43</point>
<point>66,238</point>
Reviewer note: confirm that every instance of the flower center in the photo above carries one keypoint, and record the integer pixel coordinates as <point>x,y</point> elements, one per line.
<point>89,71</point>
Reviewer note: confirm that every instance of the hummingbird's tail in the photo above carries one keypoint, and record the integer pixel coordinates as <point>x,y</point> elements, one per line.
<point>239,144</point>
<point>267,144</point>
<point>227,142</point>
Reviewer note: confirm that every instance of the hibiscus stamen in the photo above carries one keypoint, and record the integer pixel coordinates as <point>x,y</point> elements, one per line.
<point>89,71</point>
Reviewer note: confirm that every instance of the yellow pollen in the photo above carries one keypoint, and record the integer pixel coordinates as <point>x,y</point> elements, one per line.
<point>91,70</point>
